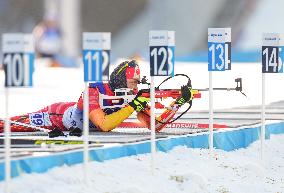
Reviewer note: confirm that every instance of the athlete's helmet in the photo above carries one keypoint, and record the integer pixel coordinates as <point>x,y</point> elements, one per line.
<point>125,70</point>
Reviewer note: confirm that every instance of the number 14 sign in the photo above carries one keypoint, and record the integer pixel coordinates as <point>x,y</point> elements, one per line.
<point>219,49</point>
<point>272,53</point>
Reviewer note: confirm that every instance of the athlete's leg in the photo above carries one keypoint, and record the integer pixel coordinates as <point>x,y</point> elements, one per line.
<point>48,118</point>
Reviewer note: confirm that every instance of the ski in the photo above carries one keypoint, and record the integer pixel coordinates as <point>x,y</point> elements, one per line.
<point>41,141</point>
<point>130,125</point>
<point>126,125</point>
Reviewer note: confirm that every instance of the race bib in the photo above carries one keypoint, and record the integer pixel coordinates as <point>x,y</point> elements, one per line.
<point>40,119</point>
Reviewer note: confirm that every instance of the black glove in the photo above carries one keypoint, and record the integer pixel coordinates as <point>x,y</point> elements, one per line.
<point>186,95</point>
<point>139,103</point>
<point>56,132</point>
<point>75,131</point>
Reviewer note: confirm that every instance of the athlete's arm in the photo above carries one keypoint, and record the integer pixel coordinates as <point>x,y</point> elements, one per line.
<point>111,121</point>
<point>98,117</point>
<point>168,114</point>
<point>161,121</point>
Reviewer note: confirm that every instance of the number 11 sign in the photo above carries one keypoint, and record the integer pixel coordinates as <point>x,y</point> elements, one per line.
<point>96,56</point>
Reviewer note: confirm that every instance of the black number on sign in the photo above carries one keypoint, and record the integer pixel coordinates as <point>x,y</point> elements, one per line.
<point>15,69</point>
<point>159,61</point>
<point>270,59</point>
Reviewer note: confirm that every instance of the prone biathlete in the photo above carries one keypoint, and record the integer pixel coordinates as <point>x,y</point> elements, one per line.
<point>68,116</point>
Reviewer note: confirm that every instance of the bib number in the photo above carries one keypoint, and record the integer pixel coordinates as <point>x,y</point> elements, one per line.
<point>40,119</point>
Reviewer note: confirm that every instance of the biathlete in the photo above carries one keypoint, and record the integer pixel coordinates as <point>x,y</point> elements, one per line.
<point>68,116</point>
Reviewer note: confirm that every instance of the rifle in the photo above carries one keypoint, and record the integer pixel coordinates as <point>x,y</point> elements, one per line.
<point>175,93</point>
<point>122,98</point>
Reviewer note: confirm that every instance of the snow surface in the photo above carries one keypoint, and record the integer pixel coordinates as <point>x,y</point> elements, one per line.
<point>182,169</point>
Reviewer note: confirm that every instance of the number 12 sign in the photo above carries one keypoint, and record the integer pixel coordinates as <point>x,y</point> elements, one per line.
<point>161,53</point>
<point>219,49</point>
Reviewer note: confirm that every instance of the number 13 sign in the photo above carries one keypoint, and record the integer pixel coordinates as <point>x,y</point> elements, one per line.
<point>219,49</point>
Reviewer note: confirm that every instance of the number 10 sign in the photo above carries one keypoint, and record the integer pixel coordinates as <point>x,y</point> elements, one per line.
<point>18,59</point>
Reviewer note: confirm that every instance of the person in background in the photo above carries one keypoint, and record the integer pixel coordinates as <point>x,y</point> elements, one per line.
<point>48,36</point>
<point>68,116</point>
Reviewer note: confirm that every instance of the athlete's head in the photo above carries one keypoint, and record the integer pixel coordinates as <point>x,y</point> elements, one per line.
<point>125,75</point>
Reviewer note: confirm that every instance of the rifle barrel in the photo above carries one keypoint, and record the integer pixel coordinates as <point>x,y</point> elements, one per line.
<point>207,89</point>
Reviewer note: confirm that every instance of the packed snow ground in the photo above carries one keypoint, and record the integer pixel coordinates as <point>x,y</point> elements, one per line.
<point>180,170</point>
